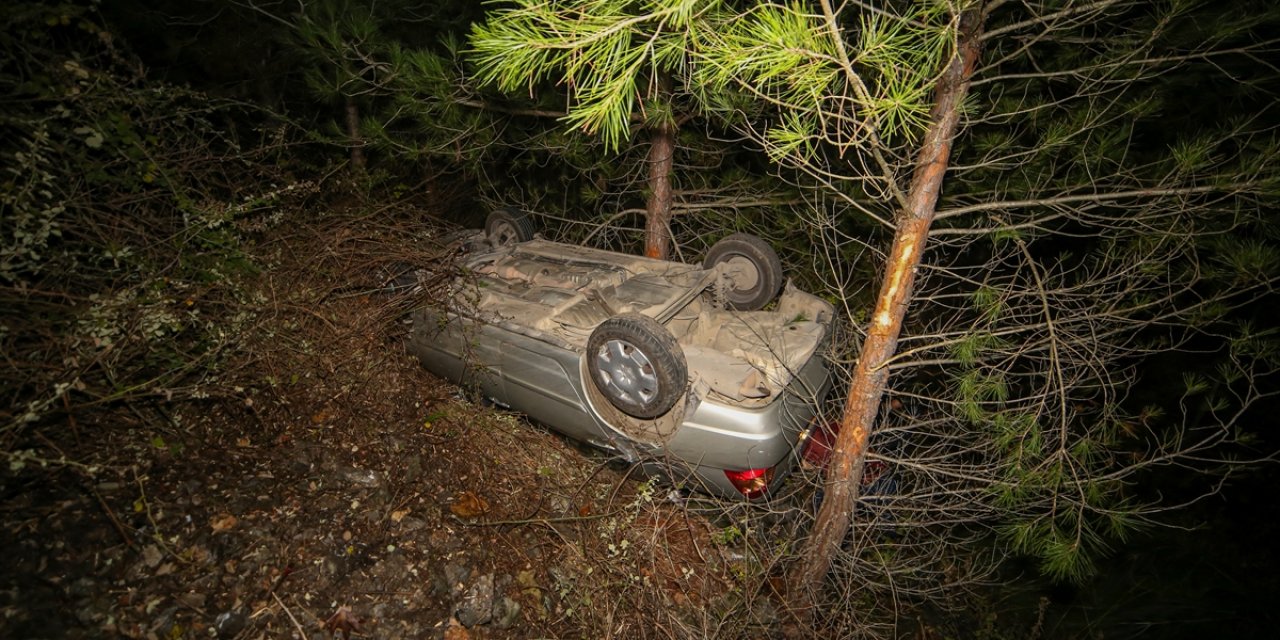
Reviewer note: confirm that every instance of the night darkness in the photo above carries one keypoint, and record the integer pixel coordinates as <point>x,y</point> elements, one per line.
<point>212,429</point>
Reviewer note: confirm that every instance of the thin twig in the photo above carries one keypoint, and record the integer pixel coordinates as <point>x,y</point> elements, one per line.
<point>301,634</point>
<point>499,523</point>
<point>111,515</point>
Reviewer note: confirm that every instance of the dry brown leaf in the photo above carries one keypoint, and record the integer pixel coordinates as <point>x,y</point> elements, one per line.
<point>151,556</point>
<point>344,622</point>
<point>455,631</point>
<point>468,505</point>
<point>223,522</point>
<point>397,516</point>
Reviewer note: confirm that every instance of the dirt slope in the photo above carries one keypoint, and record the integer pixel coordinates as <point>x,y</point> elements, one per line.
<point>328,486</point>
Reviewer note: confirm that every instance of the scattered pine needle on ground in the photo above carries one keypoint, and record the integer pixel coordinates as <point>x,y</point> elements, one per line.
<point>322,484</point>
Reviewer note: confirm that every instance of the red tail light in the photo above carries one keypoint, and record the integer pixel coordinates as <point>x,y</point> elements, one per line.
<point>752,483</point>
<point>819,443</point>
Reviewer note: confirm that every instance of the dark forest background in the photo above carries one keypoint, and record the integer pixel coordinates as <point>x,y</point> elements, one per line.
<point>152,149</point>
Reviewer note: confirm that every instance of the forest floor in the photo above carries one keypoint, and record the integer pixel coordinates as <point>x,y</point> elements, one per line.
<point>316,482</point>
<point>336,489</point>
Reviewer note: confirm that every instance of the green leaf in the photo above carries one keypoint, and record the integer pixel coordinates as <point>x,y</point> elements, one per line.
<point>92,137</point>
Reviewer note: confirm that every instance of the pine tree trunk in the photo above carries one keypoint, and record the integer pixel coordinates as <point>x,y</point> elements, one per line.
<point>657,230</point>
<point>353,135</point>
<point>844,474</point>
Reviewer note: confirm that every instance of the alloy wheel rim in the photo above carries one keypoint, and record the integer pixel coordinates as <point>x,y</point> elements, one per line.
<point>626,372</point>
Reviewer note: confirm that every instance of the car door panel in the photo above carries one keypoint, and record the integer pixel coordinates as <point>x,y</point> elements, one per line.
<point>539,382</point>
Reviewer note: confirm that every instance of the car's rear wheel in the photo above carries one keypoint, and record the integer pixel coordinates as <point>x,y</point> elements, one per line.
<point>508,226</point>
<point>755,272</point>
<point>637,365</point>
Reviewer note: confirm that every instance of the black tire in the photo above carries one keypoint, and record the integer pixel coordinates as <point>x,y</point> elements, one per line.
<point>508,226</point>
<point>758,266</point>
<point>636,364</point>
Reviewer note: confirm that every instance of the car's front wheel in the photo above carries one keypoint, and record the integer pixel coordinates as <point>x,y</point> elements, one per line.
<point>637,365</point>
<point>508,226</point>
<point>753,267</point>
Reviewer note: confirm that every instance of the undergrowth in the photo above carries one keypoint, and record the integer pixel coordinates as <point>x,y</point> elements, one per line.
<point>125,204</point>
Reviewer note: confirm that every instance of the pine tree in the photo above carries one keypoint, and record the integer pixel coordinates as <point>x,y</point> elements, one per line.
<point>616,64</point>
<point>1026,276</point>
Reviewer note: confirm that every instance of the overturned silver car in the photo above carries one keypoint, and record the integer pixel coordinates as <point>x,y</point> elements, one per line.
<point>676,367</point>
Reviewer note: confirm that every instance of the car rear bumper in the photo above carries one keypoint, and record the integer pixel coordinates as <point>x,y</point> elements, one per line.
<point>717,438</point>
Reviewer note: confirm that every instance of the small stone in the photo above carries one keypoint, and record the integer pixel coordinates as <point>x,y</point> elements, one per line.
<point>560,505</point>
<point>338,565</point>
<point>412,469</point>
<point>506,613</point>
<point>191,600</point>
<point>412,524</point>
<point>363,477</point>
<point>456,576</point>
<point>390,569</point>
<point>477,605</point>
<point>229,624</point>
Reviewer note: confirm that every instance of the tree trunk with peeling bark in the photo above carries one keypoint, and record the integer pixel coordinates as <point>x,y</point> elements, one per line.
<point>844,473</point>
<point>657,230</point>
